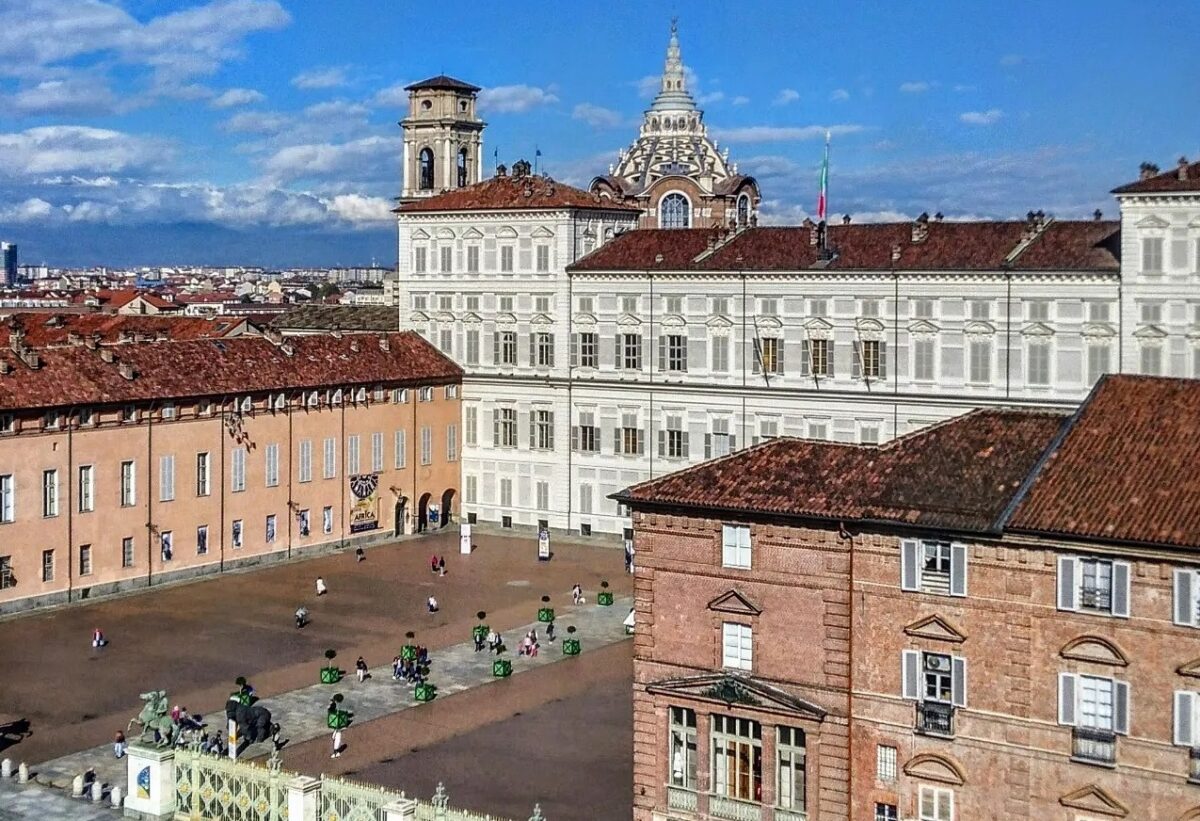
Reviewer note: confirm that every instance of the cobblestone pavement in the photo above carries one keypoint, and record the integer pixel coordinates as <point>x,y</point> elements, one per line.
<point>24,801</point>
<point>453,669</point>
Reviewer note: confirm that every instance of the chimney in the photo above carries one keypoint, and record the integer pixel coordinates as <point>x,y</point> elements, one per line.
<point>501,170</point>
<point>354,345</point>
<point>5,366</point>
<point>16,340</point>
<point>107,355</point>
<point>939,216</point>
<point>920,228</point>
<point>127,371</point>
<point>1147,170</point>
<point>1097,215</point>
<point>896,252</point>
<point>385,343</point>
<point>1182,172</point>
<point>812,231</point>
<point>92,342</point>
<point>336,333</point>
<point>754,220</point>
<point>287,348</point>
<point>845,219</point>
<point>73,338</point>
<point>30,358</point>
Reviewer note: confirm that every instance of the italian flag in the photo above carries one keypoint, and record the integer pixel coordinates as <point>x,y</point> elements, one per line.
<point>822,198</point>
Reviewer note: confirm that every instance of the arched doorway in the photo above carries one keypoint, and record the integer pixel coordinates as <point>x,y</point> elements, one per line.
<point>423,512</point>
<point>447,501</point>
<point>401,504</point>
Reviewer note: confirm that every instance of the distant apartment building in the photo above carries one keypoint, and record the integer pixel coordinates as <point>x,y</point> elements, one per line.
<point>122,465</point>
<point>994,617</point>
<point>8,263</point>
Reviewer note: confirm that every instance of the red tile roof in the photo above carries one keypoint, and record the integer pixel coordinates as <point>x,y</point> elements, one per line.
<point>960,475</point>
<point>1168,182</point>
<point>119,299</point>
<point>43,330</point>
<point>77,375</point>
<point>948,246</point>
<point>1127,470</point>
<point>532,192</point>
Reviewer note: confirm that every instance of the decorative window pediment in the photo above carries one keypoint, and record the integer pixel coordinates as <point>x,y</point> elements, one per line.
<point>1037,329</point>
<point>869,326</point>
<point>507,232</point>
<point>673,321</point>
<point>444,316</point>
<point>1150,332</point>
<point>541,232</point>
<point>420,233</point>
<point>818,328</point>
<point>628,320</point>
<point>729,688</point>
<point>589,233</point>
<point>923,326</point>
<point>1094,799</point>
<point>445,233</point>
<point>934,767</point>
<point>977,328</point>
<point>472,317</point>
<point>472,233</point>
<point>734,602</point>
<point>1101,330</point>
<point>935,628</point>
<point>541,319</point>
<point>718,322</point>
<point>1152,222</point>
<point>1094,649</point>
<point>419,316</point>
<point>771,322</point>
<point>1191,669</point>
<point>506,319</point>
<point>585,319</point>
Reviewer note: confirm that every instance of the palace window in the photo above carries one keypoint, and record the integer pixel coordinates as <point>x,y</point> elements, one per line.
<point>506,259</point>
<point>472,352</point>
<point>886,812</point>
<point>936,804</point>
<point>885,763</point>
<point>7,498</point>
<point>504,348</point>
<point>87,488</point>
<point>419,257</point>
<point>933,567</point>
<point>938,683</point>
<point>870,359</point>
<point>1152,255</point>
<point>770,353</point>
<point>6,575</point>
<point>47,566</point>
<point>820,357</point>
<point>629,437</point>
<point>743,210</point>
<point>673,352</point>
<point>426,169</point>
<point>674,211</point>
<point>587,353</point>
<point>127,551</point>
<point>979,364</point>
<point>473,265</point>
<point>505,424</point>
<point>541,434</point>
<point>1093,585</point>
<point>586,434</point>
<point>629,352</point>
<point>791,768</point>
<point>426,445</point>
<point>1099,361</point>
<point>542,350</point>
<point>735,546</point>
<point>1038,352</point>
<point>720,354</point>
<point>1150,359</point>
<point>720,442</point>
<point>673,439</point>
<point>49,493</point>
<point>462,168</point>
<point>1098,708</point>
<point>543,258</point>
<point>737,646</point>
<point>923,360</point>
<point>447,261</point>
<point>736,758</point>
<point>683,748</point>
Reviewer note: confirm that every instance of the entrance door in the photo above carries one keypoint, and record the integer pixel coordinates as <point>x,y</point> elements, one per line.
<point>447,501</point>
<point>423,513</point>
<point>398,528</point>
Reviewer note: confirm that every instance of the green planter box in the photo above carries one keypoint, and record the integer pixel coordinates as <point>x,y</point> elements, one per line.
<point>604,598</point>
<point>571,647</point>
<point>330,675</point>
<point>408,652</point>
<point>337,720</point>
<point>425,692</point>
<point>546,614</point>
<point>480,631</point>
<point>501,668</point>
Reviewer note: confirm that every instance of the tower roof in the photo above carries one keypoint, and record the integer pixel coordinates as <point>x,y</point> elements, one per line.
<point>442,82</point>
<point>673,94</point>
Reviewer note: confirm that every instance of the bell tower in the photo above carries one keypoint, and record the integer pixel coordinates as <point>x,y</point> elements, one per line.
<point>443,138</point>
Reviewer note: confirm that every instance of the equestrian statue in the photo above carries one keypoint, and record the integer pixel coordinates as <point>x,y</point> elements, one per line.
<point>154,719</point>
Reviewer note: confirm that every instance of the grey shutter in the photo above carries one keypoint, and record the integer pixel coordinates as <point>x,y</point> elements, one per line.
<point>532,350</point>
<point>732,442</point>
<point>805,358</point>
<point>618,359</point>
<point>617,441</point>
<point>910,674</point>
<point>883,360</point>
<point>574,350</point>
<point>495,347</point>
<point>662,352</point>
<point>910,574</point>
<point>1068,569</point>
<point>856,361</point>
<point>708,446</point>
<point>532,430</point>
<point>641,442</point>
<point>1185,608</point>
<point>683,353</point>
<point>662,443</point>
<point>1120,592</point>
<point>831,360</point>
<point>958,570</point>
<point>684,447</point>
<point>958,681</point>
<point>496,428</point>
<point>644,345</point>
<point>756,362</point>
<point>1066,699</point>
<point>1121,707</point>
<point>575,437</point>
<point>1185,718</point>
<point>779,345</point>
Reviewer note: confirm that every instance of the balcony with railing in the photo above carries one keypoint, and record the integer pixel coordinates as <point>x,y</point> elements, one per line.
<point>790,815</point>
<point>1095,598</point>
<point>682,799</point>
<point>720,806</point>
<point>935,718</point>
<point>1094,746</point>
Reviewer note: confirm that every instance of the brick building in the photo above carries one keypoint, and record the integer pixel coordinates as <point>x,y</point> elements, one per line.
<point>994,617</point>
<point>122,465</point>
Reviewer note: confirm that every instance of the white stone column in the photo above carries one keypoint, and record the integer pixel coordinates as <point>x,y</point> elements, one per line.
<point>303,798</point>
<point>405,188</point>
<point>150,786</point>
<point>402,809</point>
<point>447,165</point>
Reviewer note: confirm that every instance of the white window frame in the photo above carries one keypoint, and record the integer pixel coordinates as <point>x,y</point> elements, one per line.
<point>329,458</point>
<point>87,488</point>
<point>912,677</point>
<point>203,474</point>
<point>737,646</point>
<point>128,483</point>
<point>1070,686</point>
<point>401,448</point>
<point>736,546</point>
<point>166,478</point>
<point>237,470</point>
<point>271,458</point>
<point>8,498</point>
<point>1069,583</point>
<point>305,466</point>
<point>49,493</point>
<point>942,798</point>
<point>1186,597</point>
<point>912,567</point>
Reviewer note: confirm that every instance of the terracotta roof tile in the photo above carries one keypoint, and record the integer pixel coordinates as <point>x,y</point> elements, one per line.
<point>1074,245</point>
<point>44,330</point>
<point>245,364</point>
<point>959,475</point>
<point>533,192</point>
<point>1127,470</point>
<point>1167,182</point>
<point>379,318</point>
<point>643,246</point>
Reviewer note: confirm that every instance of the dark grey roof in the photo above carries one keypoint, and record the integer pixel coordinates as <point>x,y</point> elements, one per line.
<point>442,82</point>
<point>374,318</point>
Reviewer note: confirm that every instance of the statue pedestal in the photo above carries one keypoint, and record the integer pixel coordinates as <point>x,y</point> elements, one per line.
<point>304,798</point>
<point>150,786</point>
<point>402,809</point>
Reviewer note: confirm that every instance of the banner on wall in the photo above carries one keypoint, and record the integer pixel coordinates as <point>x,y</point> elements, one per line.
<point>543,545</point>
<point>364,512</point>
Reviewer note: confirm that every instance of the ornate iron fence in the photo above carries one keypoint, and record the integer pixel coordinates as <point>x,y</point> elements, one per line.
<point>343,800</point>
<point>209,787</point>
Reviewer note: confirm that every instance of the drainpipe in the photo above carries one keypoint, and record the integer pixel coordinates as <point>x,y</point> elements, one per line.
<point>221,451</point>
<point>70,506</point>
<point>1008,331</point>
<point>293,512</point>
<point>848,537</point>
<point>149,493</point>
<point>896,351</point>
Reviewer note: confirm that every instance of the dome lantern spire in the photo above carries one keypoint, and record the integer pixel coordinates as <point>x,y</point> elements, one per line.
<point>673,93</point>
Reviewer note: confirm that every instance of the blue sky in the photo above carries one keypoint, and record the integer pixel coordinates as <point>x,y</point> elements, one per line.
<point>264,132</point>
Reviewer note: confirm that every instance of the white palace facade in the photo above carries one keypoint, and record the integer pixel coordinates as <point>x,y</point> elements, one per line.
<point>599,354</point>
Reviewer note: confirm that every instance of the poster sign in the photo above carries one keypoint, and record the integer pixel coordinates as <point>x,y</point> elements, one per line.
<point>364,513</point>
<point>543,544</point>
<point>464,539</point>
<point>143,783</point>
<point>232,735</point>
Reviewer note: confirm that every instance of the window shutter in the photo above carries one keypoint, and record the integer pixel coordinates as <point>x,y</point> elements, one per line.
<point>574,350</point>
<point>779,357</point>
<point>1185,718</point>
<point>496,428</point>
<point>618,358</point>
<point>1120,593</point>
<point>756,362</point>
<point>686,451</point>
<point>732,443</point>
<point>910,673</point>
<point>910,573</point>
<point>662,443</point>
<point>641,442</point>
<point>1121,707</point>
<point>532,350</point>
<point>805,358</point>
<point>662,352</point>
<point>617,441</point>
<point>683,353</point>
<point>1068,569</point>
<point>829,346</point>
<point>532,430</point>
<point>958,681</point>
<point>708,446</point>
<point>882,360</point>
<point>856,361</point>
<point>958,569</point>
<point>1066,699</point>
<point>1185,608</point>
<point>575,437</point>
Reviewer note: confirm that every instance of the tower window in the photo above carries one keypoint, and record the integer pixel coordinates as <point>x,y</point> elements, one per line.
<point>462,168</point>
<point>674,211</point>
<point>426,105</point>
<point>426,162</point>
<point>743,210</point>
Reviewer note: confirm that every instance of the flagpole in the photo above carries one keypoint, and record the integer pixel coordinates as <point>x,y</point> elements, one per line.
<point>823,197</point>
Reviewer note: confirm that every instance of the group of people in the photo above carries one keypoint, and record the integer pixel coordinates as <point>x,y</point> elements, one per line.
<point>437,564</point>
<point>410,670</point>
<point>529,644</point>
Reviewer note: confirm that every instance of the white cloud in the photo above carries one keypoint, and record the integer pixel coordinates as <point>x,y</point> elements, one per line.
<point>839,94</point>
<point>515,99</point>
<point>981,117</point>
<point>337,109</point>
<point>740,100</point>
<point>914,87</point>
<point>964,87</point>
<point>394,96</point>
<point>330,77</point>
<point>597,116</point>
<point>772,133</point>
<point>712,97</point>
<point>237,96</point>
<point>1012,59</point>
<point>787,96</point>
<point>319,160</point>
<point>63,149</point>
<point>33,209</point>
<point>356,208</point>
<point>257,122</point>
<point>75,95</point>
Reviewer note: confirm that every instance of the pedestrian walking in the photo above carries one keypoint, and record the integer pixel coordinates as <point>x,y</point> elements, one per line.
<point>337,744</point>
<point>321,588</point>
<point>98,639</point>
<point>550,631</point>
<point>432,604</point>
<point>119,745</point>
<point>441,565</point>
<point>358,554</point>
<point>433,564</point>
<point>577,594</point>
<point>397,664</point>
<point>360,667</point>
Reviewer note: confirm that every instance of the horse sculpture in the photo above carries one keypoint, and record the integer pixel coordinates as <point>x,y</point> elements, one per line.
<point>154,719</point>
<point>253,720</point>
